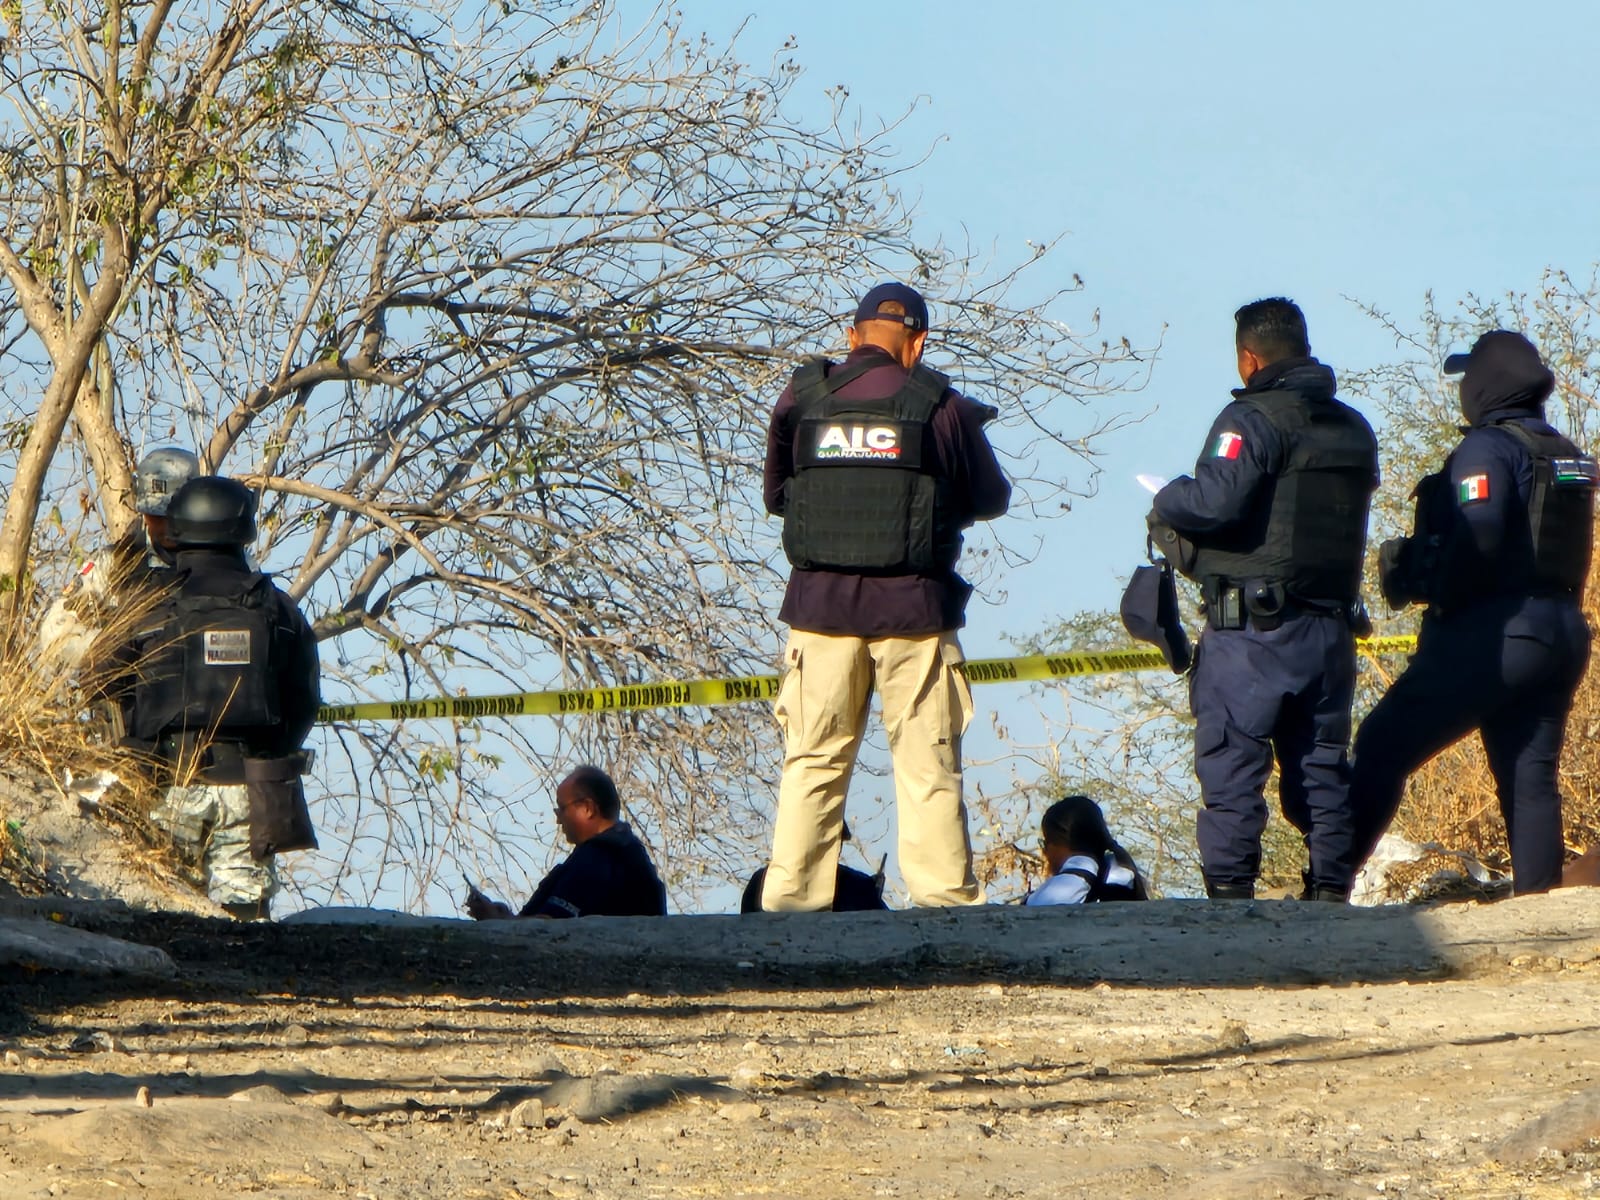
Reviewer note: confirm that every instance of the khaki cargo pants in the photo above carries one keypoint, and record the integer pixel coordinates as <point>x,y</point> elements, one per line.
<point>822,704</point>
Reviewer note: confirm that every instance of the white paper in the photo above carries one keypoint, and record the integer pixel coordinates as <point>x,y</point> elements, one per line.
<point>1152,483</point>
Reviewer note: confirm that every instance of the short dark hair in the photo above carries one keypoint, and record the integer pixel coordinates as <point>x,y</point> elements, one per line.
<point>1273,329</point>
<point>595,785</point>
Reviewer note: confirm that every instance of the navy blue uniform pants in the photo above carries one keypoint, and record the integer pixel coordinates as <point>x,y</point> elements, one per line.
<point>1282,692</point>
<point>1507,669</point>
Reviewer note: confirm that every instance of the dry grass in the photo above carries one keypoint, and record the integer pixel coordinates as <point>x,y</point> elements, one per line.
<point>54,729</point>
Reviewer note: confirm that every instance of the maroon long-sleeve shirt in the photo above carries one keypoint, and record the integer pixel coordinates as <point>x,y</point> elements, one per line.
<point>842,602</point>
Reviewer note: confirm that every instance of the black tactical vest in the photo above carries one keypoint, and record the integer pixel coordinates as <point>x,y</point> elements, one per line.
<point>865,495</point>
<point>205,665</point>
<point>1560,509</point>
<point>1310,534</point>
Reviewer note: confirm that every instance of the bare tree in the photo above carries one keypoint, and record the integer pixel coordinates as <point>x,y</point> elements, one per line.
<point>492,314</point>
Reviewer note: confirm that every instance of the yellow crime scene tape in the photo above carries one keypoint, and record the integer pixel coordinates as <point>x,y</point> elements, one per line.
<point>744,689</point>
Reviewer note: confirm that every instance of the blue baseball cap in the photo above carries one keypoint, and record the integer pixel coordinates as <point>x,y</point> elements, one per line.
<point>915,316</point>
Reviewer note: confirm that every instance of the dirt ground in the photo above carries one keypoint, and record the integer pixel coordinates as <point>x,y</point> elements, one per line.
<point>368,1062</point>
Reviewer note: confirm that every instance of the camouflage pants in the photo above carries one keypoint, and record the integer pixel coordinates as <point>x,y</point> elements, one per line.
<point>212,822</point>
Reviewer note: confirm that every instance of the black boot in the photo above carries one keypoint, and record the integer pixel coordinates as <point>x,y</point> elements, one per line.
<point>1230,891</point>
<point>1315,892</point>
<point>1330,895</point>
<point>250,910</point>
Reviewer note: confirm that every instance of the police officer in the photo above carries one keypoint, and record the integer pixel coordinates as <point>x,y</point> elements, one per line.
<point>1498,553</point>
<point>224,686</point>
<point>135,565</point>
<point>1273,526</point>
<point>876,465</point>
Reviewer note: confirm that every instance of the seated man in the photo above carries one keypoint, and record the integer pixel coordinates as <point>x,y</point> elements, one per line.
<point>608,873</point>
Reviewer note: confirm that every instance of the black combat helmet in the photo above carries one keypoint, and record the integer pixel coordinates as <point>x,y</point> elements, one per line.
<point>211,510</point>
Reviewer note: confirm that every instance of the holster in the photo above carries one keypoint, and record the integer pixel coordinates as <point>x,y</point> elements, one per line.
<point>279,818</point>
<point>1224,605</point>
<point>1267,605</point>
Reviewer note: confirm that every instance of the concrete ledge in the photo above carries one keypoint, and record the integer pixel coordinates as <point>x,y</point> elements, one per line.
<point>1169,942</point>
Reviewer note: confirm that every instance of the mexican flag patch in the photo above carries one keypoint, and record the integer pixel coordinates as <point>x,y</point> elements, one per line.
<point>1474,488</point>
<point>1228,446</point>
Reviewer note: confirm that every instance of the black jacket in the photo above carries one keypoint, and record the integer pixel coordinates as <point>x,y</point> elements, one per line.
<point>610,875</point>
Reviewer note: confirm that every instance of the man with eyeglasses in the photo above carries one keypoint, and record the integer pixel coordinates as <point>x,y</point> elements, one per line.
<point>608,873</point>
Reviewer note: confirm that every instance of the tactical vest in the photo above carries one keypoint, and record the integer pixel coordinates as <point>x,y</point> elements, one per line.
<point>1560,509</point>
<point>866,496</point>
<point>206,668</point>
<point>1311,534</point>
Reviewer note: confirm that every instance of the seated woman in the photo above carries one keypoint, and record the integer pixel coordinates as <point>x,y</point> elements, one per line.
<point>1086,863</point>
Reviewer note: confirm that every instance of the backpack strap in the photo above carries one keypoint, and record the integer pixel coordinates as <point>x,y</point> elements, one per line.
<point>1092,878</point>
<point>1100,887</point>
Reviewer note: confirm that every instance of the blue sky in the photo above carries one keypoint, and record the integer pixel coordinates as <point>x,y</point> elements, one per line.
<point>1198,156</point>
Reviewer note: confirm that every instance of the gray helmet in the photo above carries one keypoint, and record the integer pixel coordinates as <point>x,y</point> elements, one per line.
<point>160,474</point>
<point>211,510</point>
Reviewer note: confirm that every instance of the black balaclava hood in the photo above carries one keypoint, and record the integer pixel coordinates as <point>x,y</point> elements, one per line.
<point>1504,376</point>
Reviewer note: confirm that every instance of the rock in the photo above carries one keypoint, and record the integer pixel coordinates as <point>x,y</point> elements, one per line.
<point>545,1066</point>
<point>296,1035</point>
<point>607,1097</point>
<point>260,1094</point>
<point>185,1132</point>
<point>742,1112</point>
<point>43,945</point>
<point>1272,1180</point>
<point>93,1043</point>
<point>142,1097</point>
<point>747,1075</point>
<point>527,1115</point>
<point>1570,1126</point>
<point>354,915</point>
<point>1233,1036</point>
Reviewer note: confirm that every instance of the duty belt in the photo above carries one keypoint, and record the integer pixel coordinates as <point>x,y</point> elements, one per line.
<point>211,762</point>
<point>1264,607</point>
